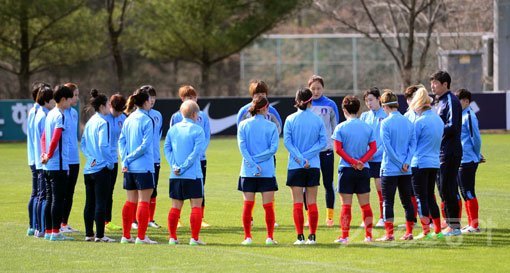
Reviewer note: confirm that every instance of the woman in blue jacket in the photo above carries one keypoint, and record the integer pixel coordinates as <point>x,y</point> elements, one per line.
<point>95,144</point>
<point>257,139</point>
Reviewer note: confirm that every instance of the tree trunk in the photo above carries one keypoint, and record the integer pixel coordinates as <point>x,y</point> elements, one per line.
<point>24,57</point>
<point>119,64</point>
<point>205,67</point>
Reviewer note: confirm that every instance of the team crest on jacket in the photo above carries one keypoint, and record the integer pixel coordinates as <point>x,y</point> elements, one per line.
<point>324,111</point>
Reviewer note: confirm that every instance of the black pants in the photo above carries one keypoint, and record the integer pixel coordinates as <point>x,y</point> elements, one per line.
<point>96,197</point>
<point>111,188</point>
<point>32,202</point>
<point>55,190</point>
<point>157,166</point>
<point>466,180</point>
<point>327,166</point>
<point>448,189</point>
<point>424,182</point>
<point>203,166</point>
<point>40,216</point>
<point>72,177</point>
<point>389,186</point>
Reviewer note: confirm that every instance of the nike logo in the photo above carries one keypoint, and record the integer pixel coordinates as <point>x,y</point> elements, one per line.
<point>221,124</point>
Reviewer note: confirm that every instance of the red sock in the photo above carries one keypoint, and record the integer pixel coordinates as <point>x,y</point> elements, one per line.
<point>345,220</point>
<point>367,215</point>
<point>127,218</point>
<point>460,209</point>
<point>142,217</point>
<point>409,227</point>
<point>195,221</point>
<point>425,224</point>
<point>437,225</point>
<point>313,217</point>
<point>269,209</point>
<point>379,193</point>
<point>298,217</point>
<point>388,226</point>
<point>247,209</point>
<point>473,208</point>
<point>152,209</point>
<point>173,219</point>
<point>415,205</point>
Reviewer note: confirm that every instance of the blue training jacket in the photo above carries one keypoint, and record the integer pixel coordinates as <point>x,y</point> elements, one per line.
<point>450,111</point>
<point>257,139</point>
<point>39,122</point>
<point>304,136</point>
<point>399,143</point>
<point>428,129</point>
<point>374,119</point>
<point>272,115</point>
<point>184,143</point>
<point>115,124</point>
<point>470,137</point>
<point>203,121</point>
<point>30,133</point>
<point>158,127</point>
<point>135,142</point>
<point>95,144</point>
<point>72,120</point>
<point>327,110</point>
<point>355,136</point>
<point>60,159</point>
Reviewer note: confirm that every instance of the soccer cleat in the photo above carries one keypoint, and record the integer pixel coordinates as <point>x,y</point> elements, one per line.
<point>125,240</point>
<point>193,242</point>
<point>386,238</point>
<point>422,236</point>
<point>469,229</point>
<point>134,225</point>
<point>173,241</point>
<point>89,238</point>
<point>439,236</point>
<point>247,241</point>
<point>270,241</point>
<point>60,237</point>
<point>452,232</point>
<point>112,227</point>
<point>299,242</point>
<point>47,236</point>
<point>312,240</point>
<point>330,223</point>
<point>367,239</point>
<point>146,241</point>
<point>38,234</point>
<point>30,232</point>
<point>407,237</point>
<point>153,224</point>
<point>380,223</point>
<point>342,241</point>
<point>104,240</point>
<point>205,224</point>
<point>67,229</point>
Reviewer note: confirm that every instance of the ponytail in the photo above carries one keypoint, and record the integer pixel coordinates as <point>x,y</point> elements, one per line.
<point>258,103</point>
<point>130,105</point>
<point>303,98</point>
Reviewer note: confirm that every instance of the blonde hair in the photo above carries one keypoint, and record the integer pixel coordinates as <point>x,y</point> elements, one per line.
<point>421,100</point>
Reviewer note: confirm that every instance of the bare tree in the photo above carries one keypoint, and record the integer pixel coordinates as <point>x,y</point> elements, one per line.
<point>115,28</point>
<point>394,23</point>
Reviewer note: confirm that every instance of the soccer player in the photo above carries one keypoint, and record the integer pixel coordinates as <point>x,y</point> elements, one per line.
<point>115,120</point>
<point>137,156</point>
<point>450,111</point>
<point>257,139</point>
<point>46,103</point>
<point>471,156</point>
<point>374,117</point>
<point>260,88</point>
<point>327,110</point>
<point>355,144</point>
<point>304,136</point>
<point>188,92</point>
<point>72,118</point>
<point>184,144</point>
<point>399,143</point>
<point>55,159</point>
<point>428,128</point>
<point>95,145</point>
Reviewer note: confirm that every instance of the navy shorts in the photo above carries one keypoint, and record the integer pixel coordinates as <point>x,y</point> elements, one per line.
<point>138,181</point>
<point>352,181</point>
<point>303,177</point>
<point>257,184</point>
<point>375,169</point>
<point>182,189</point>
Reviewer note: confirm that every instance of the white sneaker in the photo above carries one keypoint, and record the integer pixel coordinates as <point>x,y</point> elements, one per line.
<point>247,241</point>
<point>89,238</point>
<point>173,241</point>
<point>310,242</point>
<point>470,229</point>
<point>125,240</point>
<point>343,241</point>
<point>148,241</point>
<point>368,239</point>
<point>380,223</point>
<point>299,242</point>
<point>153,224</point>
<point>270,241</point>
<point>134,226</point>
<point>104,240</point>
<point>67,229</point>
<point>193,242</point>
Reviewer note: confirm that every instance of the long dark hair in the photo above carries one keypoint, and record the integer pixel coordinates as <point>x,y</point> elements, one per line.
<point>139,97</point>
<point>258,102</point>
<point>303,98</point>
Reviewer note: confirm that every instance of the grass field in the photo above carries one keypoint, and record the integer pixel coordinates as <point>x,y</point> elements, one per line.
<point>487,251</point>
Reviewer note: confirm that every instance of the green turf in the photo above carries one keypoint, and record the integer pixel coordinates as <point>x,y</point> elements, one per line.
<point>472,253</point>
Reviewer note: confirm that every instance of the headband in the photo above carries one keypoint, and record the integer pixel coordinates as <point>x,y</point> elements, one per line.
<point>309,100</point>
<point>390,103</point>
